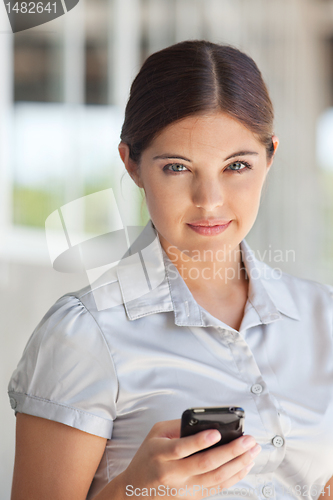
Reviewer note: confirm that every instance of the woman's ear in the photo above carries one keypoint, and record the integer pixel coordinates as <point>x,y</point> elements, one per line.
<point>131,166</point>
<point>275,142</point>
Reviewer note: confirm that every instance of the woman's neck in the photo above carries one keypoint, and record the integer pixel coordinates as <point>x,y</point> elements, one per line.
<point>217,277</point>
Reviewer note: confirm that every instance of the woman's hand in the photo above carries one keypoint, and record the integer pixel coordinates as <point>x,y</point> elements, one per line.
<point>163,461</point>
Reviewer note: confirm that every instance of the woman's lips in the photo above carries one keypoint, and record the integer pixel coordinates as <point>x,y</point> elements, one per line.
<point>209,230</point>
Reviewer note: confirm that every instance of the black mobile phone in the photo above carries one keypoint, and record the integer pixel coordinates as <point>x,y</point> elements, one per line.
<point>228,420</point>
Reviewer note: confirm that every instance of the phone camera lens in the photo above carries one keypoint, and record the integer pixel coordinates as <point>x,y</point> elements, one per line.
<point>232,408</point>
<point>193,421</point>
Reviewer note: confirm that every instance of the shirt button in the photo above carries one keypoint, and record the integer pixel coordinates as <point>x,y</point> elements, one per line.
<point>257,388</point>
<point>278,441</point>
<point>268,491</point>
<point>13,403</point>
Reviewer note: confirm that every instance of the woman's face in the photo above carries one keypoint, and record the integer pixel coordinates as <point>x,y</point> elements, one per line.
<point>202,167</point>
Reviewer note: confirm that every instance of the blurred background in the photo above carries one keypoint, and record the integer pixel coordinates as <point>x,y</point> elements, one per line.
<point>64,87</point>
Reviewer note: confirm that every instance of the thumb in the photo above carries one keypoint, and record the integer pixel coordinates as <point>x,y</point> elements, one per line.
<point>168,429</point>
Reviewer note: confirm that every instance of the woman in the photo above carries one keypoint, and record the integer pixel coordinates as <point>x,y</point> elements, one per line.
<point>188,318</point>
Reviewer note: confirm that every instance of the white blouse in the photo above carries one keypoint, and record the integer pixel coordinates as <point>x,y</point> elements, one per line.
<point>136,348</point>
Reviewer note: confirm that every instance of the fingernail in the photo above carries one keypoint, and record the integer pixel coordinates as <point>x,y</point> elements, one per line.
<point>249,467</point>
<point>213,436</point>
<point>248,442</point>
<point>256,450</point>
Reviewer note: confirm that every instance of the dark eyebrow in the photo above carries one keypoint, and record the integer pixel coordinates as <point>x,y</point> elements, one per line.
<point>170,157</point>
<point>177,157</point>
<point>241,153</point>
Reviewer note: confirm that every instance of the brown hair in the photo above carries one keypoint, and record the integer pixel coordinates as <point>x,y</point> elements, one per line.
<point>192,77</point>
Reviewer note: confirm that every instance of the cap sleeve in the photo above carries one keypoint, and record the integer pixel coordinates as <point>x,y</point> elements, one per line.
<point>66,372</point>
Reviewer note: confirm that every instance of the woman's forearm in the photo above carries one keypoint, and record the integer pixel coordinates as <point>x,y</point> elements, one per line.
<point>328,491</point>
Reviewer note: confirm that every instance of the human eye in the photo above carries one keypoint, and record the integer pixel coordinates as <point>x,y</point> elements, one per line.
<point>167,170</point>
<point>239,170</point>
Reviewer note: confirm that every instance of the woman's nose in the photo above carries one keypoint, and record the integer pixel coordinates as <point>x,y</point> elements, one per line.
<point>208,195</point>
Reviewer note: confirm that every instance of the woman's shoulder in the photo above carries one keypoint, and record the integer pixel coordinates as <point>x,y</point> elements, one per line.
<point>306,287</point>
<point>306,296</point>
<point>66,370</point>
<point>87,304</point>
<point>293,294</point>
<point>68,316</point>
